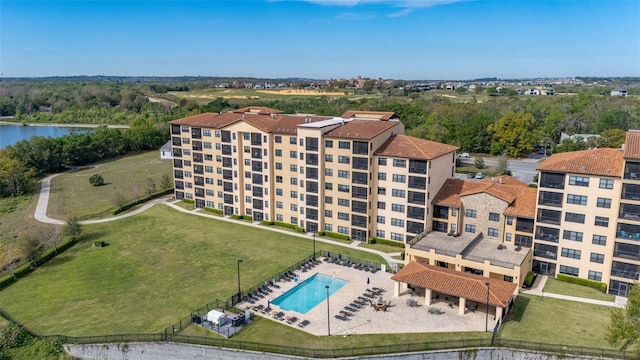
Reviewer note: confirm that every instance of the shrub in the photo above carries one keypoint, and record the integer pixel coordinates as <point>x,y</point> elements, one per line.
<point>99,243</point>
<point>188,201</point>
<point>12,336</point>
<point>131,204</point>
<point>528,280</point>
<point>214,211</point>
<point>336,235</point>
<point>235,217</point>
<point>96,180</point>
<point>377,240</point>
<point>602,287</point>
<point>321,233</point>
<point>267,222</point>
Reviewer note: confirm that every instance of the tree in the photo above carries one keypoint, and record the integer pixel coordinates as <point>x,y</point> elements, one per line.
<point>613,138</point>
<point>11,262</point>
<point>72,228</point>
<point>51,238</point>
<point>31,248</point>
<point>502,167</point>
<point>96,180</point>
<point>166,182</point>
<point>479,162</point>
<point>118,200</point>
<point>516,134</point>
<point>149,186</point>
<point>624,330</point>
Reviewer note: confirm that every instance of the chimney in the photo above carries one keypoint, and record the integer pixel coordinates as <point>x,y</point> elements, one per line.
<point>500,180</point>
<point>493,179</point>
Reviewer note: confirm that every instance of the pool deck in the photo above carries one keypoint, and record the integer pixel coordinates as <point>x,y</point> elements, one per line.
<point>399,318</point>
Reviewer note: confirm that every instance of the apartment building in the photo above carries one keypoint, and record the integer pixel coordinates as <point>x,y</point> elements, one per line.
<point>318,172</point>
<point>575,228</point>
<point>481,227</point>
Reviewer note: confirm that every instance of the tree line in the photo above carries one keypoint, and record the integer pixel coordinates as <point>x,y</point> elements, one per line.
<point>27,160</point>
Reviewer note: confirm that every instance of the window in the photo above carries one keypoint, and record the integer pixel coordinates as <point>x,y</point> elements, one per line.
<point>597,258</point>
<point>492,232</point>
<point>328,143</point>
<point>293,168</point>
<point>398,193</point>
<point>572,235</point>
<point>343,174</point>
<point>328,200</point>
<point>293,181</point>
<point>292,141</point>
<point>380,233</point>
<point>569,270</point>
<point>397,208</point>
<point>278,152</point>
<point>576,199</point>
<point>328,158</point>
<point>328,213</point>
<point>399,163</point>
<point>277,139</point>
<point>399,178</point>
<point>278,205</point>
<point>343,188</point>
<point>599,240</point>
<point>595,275</point>
<point>454,212</point>
<point>328,172</point>
<point>604,203</point>
<point>382,176</point>
<point>382,205</point>
<point>328,227</point>
<point>278,192</point>
<point>382,161</point>
<point>573,217</point>
<point>382,191</point>
<point>397,222</point>
<point>508,237</point>
<point>293,154</point>
<point>578,180</point>
<point>570,253</point>
<point>328,186</point>
<point>470,228</point>
<point>606,184</point>
<point>397,237</point>
<point>343,202</point>
<point>294,207</point>
<point>344,159</point>
<point>278,166</point>
<point>344,145</point>
<point>470,213</point>
<point>293,194</point>
<point>380,219</point>
<point>494,217</point>
<point>602,221</point>
<point>206,133</point>
<point>343,216</point>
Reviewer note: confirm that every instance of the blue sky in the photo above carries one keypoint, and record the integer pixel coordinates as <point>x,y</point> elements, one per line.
<point>400,39</point>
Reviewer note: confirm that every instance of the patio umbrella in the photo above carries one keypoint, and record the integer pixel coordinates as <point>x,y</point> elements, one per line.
<point>368,281</point>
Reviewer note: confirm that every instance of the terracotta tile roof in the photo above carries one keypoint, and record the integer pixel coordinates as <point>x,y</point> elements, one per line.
<point>260,110</point>
<point>414,148</point>
<point>209,120</point>
<point>632,145</point>
<point>520,197</point>
<point>380,115</point>
<point>361,129</point>
<point>456,283</point>
<point>604,162</point>
<point>282,124</point>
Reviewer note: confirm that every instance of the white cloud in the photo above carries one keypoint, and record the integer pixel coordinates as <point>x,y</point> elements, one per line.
<point>405,6</point>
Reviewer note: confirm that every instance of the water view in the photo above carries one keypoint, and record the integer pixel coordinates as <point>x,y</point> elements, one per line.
<point>11,134</point>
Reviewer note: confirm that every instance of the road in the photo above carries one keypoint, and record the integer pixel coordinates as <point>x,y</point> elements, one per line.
<point>521,169</point>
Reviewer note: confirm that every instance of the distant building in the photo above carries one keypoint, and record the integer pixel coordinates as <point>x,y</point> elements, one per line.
<point>165,151</point>
<point>619,92</point>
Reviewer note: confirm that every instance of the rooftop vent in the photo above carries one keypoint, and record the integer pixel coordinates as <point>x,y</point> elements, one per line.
<point>518,248</point>
<point>501,247</point>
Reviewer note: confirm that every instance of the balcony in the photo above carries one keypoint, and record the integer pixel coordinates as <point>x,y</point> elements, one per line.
<point>545,254</point>
<point>627,255</point>
<point>629,212</point>
<point>523,225</point>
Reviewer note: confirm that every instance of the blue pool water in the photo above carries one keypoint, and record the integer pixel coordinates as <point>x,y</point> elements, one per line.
<point>308,294</point>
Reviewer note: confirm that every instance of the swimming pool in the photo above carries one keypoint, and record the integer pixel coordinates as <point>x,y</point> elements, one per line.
<point>308,294</point>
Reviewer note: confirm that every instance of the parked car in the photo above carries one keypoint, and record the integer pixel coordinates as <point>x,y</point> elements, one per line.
<point>479,176</point>
<point>464,155</point>
<point>471,175</point>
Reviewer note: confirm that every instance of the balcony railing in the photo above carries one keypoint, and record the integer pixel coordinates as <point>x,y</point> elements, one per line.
<point>547,237</point>
<point>627,255</point>
<point>628,235</point>
<point>545,254</point>
<point>527,229</point>
<point>629,216</point>
<point>549,220</point>
<point>632,176</point>
<point>625,274</point>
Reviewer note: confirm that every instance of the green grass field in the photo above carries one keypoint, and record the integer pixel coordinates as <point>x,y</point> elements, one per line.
<point>560,287</point>
<point>555,321</point>
<point>157,267</point>
<point>126,178</point>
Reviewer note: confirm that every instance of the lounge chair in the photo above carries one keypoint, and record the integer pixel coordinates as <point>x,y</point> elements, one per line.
<point>248,299</point>
<point>266,310</point>
<point>304,323</point>
<point>341,317</point>
<point>435,311</point>
<point>273,283</point>
<point>292,320</point>
<point>381,290</point>
<point>358,302</point>
<point>349,308</point>
<point>413,303</point>
<point>355,305</point>
<point>258,307</point>
<point>370,296</point>
<point>375,269</point>
<point>278,315</point>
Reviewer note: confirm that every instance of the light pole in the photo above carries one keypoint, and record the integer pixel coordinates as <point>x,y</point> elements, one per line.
<point>314,245</point>
<point>239,293</point>
<point>486,320</point>
<point>328,316</point>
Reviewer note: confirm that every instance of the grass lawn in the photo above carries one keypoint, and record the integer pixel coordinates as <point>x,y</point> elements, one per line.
<point>559,287</point>
<point>271,332</point>
<point>555,321</point>
<point>156,268</point>
<point>126,178</point>
<point>382,247</point>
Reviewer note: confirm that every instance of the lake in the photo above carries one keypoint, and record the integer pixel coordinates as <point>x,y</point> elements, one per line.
<point>11,134</point>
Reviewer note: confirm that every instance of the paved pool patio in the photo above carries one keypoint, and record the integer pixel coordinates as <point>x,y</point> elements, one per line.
<point>400,317</point>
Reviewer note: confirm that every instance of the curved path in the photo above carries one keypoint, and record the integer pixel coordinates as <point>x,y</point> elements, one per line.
<point>43,203</point>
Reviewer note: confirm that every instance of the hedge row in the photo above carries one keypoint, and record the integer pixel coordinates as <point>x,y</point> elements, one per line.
<point>152,196</point>
<point>283,224</point>
<point>26,268</point>
<point>602,287</point>
<point>241,217</point>
<point>333,235</point>
<point>377,240</point>
<point>214,211</point>
<point>528,280</point>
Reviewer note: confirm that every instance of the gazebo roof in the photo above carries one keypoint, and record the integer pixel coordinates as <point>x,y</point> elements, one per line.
<point>456,283</point>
